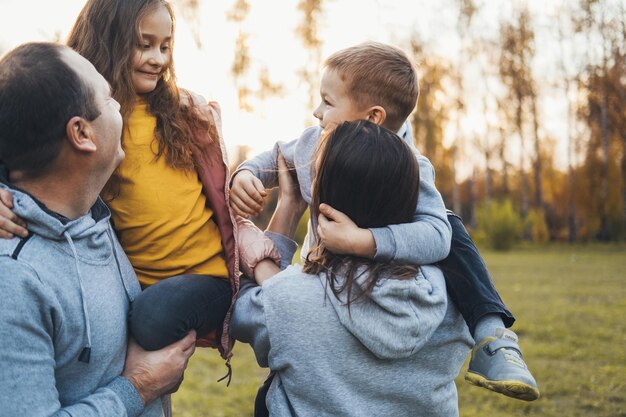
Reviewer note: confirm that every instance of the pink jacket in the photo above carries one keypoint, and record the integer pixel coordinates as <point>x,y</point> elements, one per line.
<point>214,175</point>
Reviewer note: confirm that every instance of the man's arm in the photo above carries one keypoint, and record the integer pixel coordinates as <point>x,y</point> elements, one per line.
<point>27,358</point>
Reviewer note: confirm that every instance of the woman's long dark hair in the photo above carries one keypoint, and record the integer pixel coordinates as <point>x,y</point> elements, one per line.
<point>371,175</point>
<point>107,33</point>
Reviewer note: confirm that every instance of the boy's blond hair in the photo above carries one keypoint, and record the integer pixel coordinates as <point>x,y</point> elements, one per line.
<point>378,74</point>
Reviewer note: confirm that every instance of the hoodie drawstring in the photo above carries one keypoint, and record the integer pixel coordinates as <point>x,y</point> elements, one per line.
<point>119,268</point>
<point>85,355</point>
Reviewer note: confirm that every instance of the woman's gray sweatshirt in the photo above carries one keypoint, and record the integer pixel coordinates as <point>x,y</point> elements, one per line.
<point>65,293</point>
<point>396,354</point>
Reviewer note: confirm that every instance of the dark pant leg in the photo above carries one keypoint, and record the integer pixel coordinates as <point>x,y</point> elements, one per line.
<point>260,405</point>
<point>468,281</point>
<point>166,311</point>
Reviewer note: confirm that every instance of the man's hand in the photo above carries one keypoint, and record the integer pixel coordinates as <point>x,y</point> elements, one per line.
<point>158,372</point>
<point>247,194</point>
<point>342,236</point>
<point>10,224</point>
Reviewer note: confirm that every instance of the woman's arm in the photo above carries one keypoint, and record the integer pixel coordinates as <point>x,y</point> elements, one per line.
<point>284,221</point>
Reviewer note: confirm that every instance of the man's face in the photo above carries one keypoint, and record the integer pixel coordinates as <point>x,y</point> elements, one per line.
<point>336,106</point>
<point>107,127</point>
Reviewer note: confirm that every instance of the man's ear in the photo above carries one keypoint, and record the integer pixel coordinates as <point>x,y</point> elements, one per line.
<point>377,114</point>
<point>80,135</point>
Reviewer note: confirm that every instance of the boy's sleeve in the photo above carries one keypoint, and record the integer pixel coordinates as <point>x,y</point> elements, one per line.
<point>427,239</point>
<point>248,323</point>
<point>264,166</point>
<point>27,357</point>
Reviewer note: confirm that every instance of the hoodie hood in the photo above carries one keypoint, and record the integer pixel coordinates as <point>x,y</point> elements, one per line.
<point>50,225</point>
<point>398,317</point>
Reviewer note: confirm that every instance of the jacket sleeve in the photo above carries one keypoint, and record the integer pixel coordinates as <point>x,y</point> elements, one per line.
<point>30,313</point>
<point>427,239</point>
<point>264,166</point>
<point>248,323</point>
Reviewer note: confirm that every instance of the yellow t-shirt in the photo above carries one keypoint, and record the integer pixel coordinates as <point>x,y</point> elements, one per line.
<point>160,213</point>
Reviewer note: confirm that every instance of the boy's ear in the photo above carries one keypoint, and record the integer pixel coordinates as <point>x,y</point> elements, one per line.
<point>377,114</point>
<point>80,135</point>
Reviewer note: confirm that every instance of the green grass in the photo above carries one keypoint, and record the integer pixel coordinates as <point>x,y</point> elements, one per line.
<point>570,304</point>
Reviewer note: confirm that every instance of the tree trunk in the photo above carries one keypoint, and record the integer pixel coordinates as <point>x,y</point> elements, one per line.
<point>522,175</point>
<point>539,202</point>
<point>604,234</point>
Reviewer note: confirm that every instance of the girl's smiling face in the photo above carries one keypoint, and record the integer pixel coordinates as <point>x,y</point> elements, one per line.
<point>153,53</point>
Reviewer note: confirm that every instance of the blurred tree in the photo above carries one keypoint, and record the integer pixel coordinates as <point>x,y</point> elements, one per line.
<point>567,79</point>
<point>190,12</point>
<point>516,51</point>
<point>431,116</point>
<point>241,62</point>
<point>605,83</point>
<point>308,32</point>
<point>467,11</point>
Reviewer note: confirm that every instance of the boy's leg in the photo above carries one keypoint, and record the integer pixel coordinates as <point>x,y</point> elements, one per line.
<point>496,362</point>
<point>166,311</point>
<point>468,281</point>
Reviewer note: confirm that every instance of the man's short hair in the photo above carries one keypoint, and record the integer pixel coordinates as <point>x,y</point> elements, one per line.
<point>39,94</point>
<point>378,74</point>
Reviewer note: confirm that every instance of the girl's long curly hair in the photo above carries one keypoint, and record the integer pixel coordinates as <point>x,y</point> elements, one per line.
<point>107,33</point>
<point>368,173</point>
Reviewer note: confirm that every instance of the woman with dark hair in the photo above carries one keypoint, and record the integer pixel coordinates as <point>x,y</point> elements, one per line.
<point>346,335</point>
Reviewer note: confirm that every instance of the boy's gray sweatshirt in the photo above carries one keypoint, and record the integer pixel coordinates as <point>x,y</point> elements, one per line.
<point>66,288</point>
<point>396,354</point>
<point>425,240</point>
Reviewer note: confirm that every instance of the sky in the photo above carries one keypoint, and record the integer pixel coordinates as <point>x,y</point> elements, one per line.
<point>274,44</point>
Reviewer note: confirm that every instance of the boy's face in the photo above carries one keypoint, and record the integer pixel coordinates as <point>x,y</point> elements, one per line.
<point>336,106</point>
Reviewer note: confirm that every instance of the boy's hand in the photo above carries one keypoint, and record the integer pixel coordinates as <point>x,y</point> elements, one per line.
<point>342,236</point>
<point>247,194</point>
<point>10,224</point>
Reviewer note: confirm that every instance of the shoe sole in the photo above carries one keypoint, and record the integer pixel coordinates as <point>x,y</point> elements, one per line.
<point>514,389</point>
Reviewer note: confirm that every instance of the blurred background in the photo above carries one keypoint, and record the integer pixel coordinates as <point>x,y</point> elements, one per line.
<point>522,112</point>
<point>521,108</point>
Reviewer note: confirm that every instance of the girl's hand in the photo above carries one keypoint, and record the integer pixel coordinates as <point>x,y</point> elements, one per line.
<point>10,224</point>
<point>340,235</point>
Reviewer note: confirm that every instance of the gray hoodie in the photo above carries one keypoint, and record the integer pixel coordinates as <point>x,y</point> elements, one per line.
<point>396,354</point>
<point>426,240</point>
<point>65,293</point>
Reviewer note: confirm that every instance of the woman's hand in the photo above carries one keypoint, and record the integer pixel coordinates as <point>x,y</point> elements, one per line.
<point>291,206</point>
<point>10,224</point>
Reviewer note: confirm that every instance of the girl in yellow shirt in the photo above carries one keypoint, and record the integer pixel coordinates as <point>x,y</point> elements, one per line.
<point>169,198</point>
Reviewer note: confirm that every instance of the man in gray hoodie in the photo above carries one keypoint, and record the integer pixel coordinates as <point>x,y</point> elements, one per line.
<point>65,291</point>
